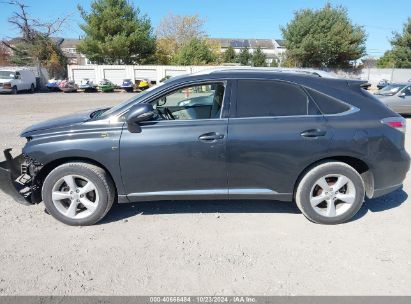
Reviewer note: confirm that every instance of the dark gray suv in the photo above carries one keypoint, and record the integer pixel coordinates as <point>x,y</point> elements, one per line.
<point>222,134</point>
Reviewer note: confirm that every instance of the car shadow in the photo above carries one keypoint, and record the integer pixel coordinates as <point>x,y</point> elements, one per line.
<point>386,202</point>
<point>123,211</point>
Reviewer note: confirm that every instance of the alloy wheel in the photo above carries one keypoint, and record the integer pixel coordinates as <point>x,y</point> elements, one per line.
<point>332,195</point>
<point>75,196</point>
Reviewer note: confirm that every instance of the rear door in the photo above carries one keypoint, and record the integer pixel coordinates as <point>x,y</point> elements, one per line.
<point>274,132</point>
<point>21,85</point>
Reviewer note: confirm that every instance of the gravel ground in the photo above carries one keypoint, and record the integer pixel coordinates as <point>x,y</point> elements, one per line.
<point>195,248</point>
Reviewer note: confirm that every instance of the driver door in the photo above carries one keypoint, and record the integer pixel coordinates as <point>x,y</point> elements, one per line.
<point>181,153</point>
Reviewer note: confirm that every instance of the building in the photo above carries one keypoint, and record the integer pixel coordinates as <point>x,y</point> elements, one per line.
<point>273,48</point>
<point>69,48</point>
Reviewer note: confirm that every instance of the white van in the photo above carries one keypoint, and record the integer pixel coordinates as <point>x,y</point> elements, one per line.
<point>13,80</point>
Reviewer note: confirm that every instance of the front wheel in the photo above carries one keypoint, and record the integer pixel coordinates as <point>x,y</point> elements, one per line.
<point>330,193</point>
<point>78,194</point>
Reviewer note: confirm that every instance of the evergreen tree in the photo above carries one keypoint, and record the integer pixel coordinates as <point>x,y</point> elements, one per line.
<point>244,57</point>
<point>115,32</point>
<point>195,52</point>
<point>274,63</point>
<point>400,55</point>
<point>259,58</point>
<point>323,38</point>
<point>229,56</point>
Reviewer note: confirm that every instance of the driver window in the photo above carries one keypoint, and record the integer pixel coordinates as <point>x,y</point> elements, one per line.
<point>193,102</point>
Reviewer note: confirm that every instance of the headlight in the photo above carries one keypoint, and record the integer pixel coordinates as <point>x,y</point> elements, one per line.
<point>7,85</point>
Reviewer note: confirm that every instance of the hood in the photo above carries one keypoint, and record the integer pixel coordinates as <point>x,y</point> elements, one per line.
<point>3,80</point>
<point>60,122</point>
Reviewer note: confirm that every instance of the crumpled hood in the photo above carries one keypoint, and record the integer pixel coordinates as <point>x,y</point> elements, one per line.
<point>60,122</point>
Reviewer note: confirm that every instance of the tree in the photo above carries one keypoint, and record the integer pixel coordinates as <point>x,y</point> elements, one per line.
<point>386,61</point>
<point>244,57</point>
<point>259,58</point>
<point>4,55</point>
<point>175,31</point>
<point>36,45</point>
<point>400,55</point>
<point>323,38</point>
<point>195,52</point>
<point>165,50</point>
<point>116,32</point>
<point>229,56</point>
<point>45,53</point>
<point>181,29</point>
<point>274,63</point>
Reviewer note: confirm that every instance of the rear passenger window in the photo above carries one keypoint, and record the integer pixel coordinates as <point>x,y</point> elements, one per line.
<point>263,98</point>
<point>328,104</point>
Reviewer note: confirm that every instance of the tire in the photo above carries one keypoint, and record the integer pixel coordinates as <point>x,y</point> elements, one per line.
<point>317,203</point>
<point>14,90</point>
<point>58,195</point>
<point>32,89</point>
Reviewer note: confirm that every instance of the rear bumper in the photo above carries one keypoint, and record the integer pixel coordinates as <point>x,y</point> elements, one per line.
<point>12,181</point>
<point>390,173</point>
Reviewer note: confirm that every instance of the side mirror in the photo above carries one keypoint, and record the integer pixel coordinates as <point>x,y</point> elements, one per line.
<point>138,113</point>
<point>402,94</point>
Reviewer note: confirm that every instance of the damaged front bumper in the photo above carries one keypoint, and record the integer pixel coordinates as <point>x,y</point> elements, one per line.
<point>16,180</point>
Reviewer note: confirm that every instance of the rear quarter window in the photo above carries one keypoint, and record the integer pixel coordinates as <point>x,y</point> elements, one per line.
<point>267,98</point>
<point>328,104</point>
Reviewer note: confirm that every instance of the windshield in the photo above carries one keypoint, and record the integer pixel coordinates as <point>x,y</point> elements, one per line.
<point>391,89</point>
<point>124,104</point>
<point>6,75</point>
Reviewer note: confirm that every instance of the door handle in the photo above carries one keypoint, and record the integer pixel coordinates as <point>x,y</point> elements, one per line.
<point>209,137</point>
<point>313,133</point>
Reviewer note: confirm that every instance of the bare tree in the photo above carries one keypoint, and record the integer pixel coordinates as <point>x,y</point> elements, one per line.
<point>32,29</point>
<point>174,31</point>
<point>181,28</point>
<point>35,45</point>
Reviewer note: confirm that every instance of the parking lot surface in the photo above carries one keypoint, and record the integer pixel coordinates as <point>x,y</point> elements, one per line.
<point>195,248</point>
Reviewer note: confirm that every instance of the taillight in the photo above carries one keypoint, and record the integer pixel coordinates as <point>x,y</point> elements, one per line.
<point>398,123</point>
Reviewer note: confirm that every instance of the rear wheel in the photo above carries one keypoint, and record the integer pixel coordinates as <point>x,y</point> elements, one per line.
<point>32,88</point>
<point>330,193</point>
<point>78,194</point>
